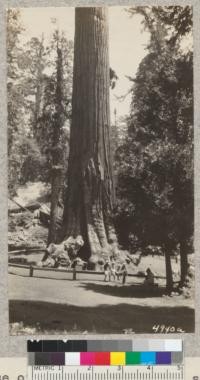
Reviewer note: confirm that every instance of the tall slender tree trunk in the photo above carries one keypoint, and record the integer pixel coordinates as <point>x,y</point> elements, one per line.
<point>183,261</point>
<point>169,277</point>
<point>90,180</point>
<point>56,187</point>
<point>39,87</point>
<point>57,151</point>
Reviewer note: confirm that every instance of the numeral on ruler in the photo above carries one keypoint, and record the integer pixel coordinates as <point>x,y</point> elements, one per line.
<point>105,373</point>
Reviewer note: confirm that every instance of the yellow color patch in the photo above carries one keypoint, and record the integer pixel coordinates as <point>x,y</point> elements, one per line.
<point>117,358</point>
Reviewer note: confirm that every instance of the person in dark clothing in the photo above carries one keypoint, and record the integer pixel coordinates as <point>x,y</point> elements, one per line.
<point>107,271</point>
<point>149,280</point>
<point>124,273</point>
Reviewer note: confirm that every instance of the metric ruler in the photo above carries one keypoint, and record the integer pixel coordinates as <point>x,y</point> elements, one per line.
<point>173,372</point>
<point>138,359</point>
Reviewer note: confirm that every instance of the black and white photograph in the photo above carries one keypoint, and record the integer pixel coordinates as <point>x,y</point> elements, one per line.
<point>100,170</point>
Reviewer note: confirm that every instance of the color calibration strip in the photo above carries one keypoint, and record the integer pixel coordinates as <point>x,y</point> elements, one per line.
<point>104,358</point>
<point>136,345</point>
<point>105,352</point>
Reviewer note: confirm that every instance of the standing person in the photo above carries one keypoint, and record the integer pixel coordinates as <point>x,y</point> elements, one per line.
<point>73,265</point>
<point>124,272</point>
<point>113,270</point>
<point>117,271</point>
<point>107,271</point>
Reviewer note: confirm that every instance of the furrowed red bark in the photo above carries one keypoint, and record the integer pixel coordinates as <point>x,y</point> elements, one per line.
<point>90,180</point>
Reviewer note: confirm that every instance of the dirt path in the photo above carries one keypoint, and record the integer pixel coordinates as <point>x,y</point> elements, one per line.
<point>88,293</point>
<point>43,306</point>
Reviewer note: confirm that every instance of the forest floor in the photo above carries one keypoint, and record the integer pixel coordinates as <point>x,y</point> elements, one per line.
<point>49,306</point>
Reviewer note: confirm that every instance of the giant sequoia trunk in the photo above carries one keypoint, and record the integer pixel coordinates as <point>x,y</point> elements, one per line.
<point>90,182</point>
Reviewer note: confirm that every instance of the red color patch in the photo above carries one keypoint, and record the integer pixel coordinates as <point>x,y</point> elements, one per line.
<point>102,358</point>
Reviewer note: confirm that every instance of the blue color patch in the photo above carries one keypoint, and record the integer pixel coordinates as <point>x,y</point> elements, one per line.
<point>148,358</point>
<point>163,357</point>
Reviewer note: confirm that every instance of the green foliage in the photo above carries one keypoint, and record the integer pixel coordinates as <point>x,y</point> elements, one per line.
<point>113,78</point>
<point>34,163</point>
<point>177,20</point>
<point>15,97</point>
<point>155,173</point>
<point>32,99</point>
<point>55,112</point>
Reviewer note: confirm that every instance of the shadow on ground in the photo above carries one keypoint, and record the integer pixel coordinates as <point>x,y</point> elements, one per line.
<point>55,318</point>
<point>133,291</point>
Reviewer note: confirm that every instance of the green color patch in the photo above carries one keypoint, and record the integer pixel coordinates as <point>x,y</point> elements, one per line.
<point>132,358</point>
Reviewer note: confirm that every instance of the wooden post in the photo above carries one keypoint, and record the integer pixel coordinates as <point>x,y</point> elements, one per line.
<point>31,271</point>
<point>74,273</point>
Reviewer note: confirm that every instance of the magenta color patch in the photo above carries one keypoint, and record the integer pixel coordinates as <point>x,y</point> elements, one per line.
<point>87,358</point>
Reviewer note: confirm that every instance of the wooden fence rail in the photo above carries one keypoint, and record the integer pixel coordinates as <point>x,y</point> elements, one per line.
<point>27,250</point>
<point>74,271</point>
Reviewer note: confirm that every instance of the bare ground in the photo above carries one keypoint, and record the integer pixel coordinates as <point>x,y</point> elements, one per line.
<point>63,306</point>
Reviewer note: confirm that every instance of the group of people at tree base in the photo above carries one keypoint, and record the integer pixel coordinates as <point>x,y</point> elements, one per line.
<point>114,270</point>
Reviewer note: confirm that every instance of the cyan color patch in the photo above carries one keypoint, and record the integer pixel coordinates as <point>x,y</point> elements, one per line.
<point>148,358</point>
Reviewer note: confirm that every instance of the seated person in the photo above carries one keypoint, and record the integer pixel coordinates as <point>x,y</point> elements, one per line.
<point>149,280</point>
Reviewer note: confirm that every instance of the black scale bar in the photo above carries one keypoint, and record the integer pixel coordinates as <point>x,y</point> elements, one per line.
<point>79,345</point>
